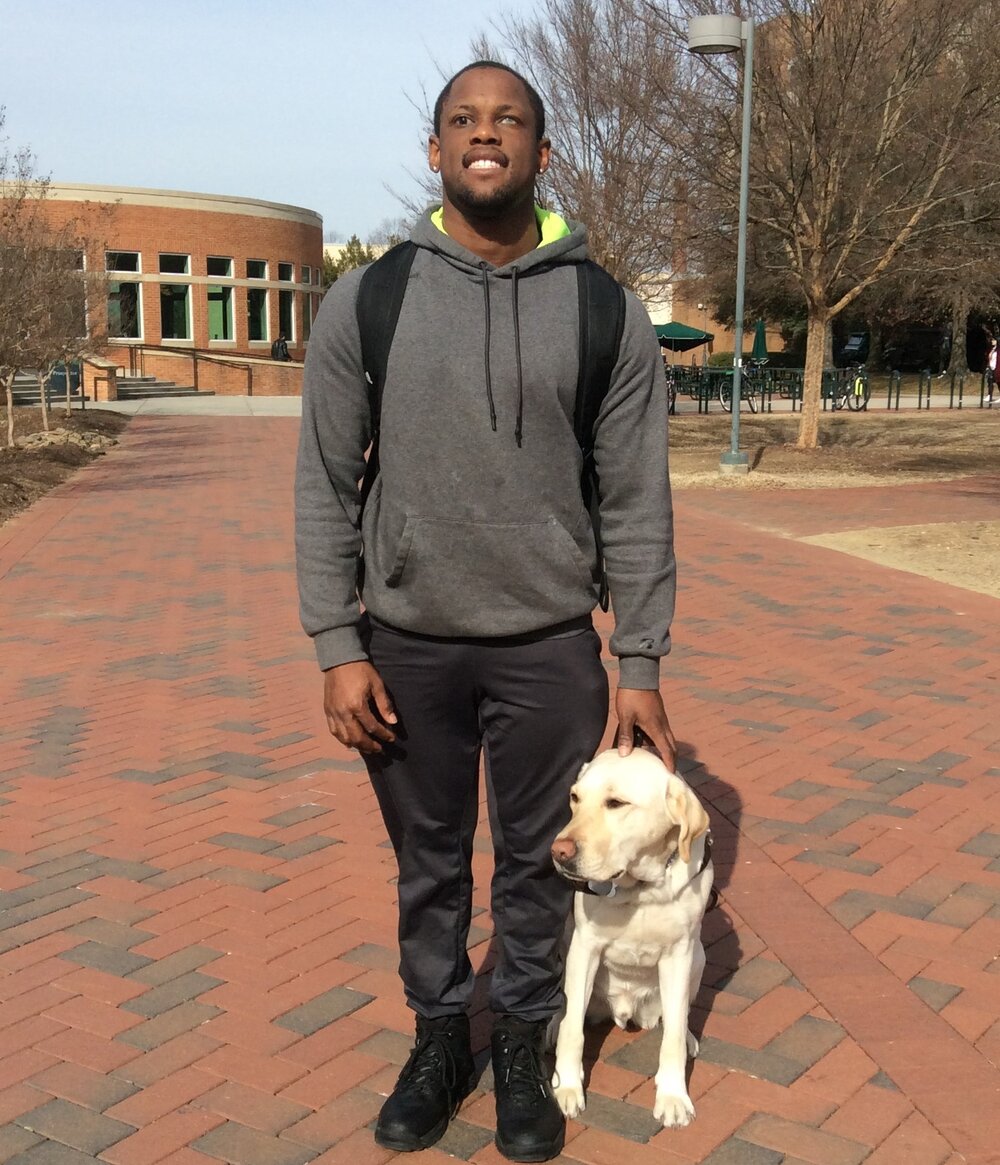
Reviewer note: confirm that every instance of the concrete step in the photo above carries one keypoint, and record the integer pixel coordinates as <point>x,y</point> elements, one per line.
<point>145,382</point>
<point>149,392</point>
<point>33,396</point>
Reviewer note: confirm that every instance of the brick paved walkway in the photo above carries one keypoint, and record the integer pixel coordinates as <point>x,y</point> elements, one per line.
<point>196,946</point>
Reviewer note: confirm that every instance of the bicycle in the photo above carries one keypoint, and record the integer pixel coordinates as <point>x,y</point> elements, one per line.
<point>752,375</point>
<point>858,390</point>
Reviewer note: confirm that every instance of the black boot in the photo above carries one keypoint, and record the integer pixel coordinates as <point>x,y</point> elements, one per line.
<point>530,1126</point>
<point>435,1080</point>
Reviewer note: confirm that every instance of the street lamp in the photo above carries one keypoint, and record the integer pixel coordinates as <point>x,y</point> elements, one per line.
<point>728,34</point>
<point>703,308</point>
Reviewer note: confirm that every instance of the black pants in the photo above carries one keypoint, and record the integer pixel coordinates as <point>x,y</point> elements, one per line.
<point>536,706</point>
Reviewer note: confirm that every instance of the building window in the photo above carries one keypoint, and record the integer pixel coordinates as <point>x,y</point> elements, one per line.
<point>175,264</point>
<point>220,312</point>
<point>286,272</point>
<point>124,315</point>
<point>306,317</point>
<point>175,311</point>
<point>307,275</point>
<point>286,314</point>
<point>256,269</point>
<point>218,266</point>
<point>121,260</point>
<point>256,313</point>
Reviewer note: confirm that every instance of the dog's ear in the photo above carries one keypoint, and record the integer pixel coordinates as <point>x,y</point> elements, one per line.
<point>686,811</point>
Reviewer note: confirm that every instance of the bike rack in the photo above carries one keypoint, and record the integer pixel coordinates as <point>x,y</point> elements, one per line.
<point>959,378</point>
<point>895,383</point>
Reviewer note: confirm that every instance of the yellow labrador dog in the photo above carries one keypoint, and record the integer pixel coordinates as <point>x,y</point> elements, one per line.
<point>638,842</point>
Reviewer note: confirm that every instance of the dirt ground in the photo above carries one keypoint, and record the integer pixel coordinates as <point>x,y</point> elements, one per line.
<point>26,474</point>
<point>878,448</point>
<point>874,449</point>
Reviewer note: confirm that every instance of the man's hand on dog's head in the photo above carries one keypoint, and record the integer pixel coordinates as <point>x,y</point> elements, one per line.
<point>642,714</point>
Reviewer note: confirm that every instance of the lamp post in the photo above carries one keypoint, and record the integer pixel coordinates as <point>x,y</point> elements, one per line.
<point>728,34</point>
<point>703,308</point>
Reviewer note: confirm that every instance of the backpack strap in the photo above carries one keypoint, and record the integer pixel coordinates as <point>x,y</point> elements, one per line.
<point>380,298</point>
<point>602,321</point>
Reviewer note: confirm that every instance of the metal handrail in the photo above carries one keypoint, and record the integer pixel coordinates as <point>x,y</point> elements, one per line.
<point>137,361</point>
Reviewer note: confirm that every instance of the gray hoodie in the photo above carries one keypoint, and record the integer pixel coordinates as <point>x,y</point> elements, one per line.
<point>476,525</point>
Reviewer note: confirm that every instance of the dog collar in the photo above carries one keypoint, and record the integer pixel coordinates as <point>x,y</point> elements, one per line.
<point>610,889</point>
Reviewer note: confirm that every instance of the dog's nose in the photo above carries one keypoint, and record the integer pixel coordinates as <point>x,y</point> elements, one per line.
<point>563,849</point>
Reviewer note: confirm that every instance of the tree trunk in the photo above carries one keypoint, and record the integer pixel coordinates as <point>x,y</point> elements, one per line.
<point>817,334</point>
<point>43,395</point>
<point>959,361</point>
<point>69,385</point>
<point>876,355</point>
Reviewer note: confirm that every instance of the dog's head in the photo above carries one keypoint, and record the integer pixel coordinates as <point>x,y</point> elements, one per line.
<point>630,815</point>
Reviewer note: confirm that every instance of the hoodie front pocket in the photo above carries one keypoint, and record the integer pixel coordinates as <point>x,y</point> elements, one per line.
<point>489,575</point>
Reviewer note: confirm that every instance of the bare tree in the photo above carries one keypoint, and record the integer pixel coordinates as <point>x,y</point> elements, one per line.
<point>600,71</point>
<point>389,232</point>
<point>43,286</point>
<point>874,122</point>
<point>22,228</point>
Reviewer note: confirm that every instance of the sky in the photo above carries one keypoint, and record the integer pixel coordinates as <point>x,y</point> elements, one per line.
<point>296,101</point>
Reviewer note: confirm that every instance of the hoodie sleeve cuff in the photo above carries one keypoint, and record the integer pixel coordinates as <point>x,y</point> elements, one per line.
<point>338,645</point>
<point>636,671</point>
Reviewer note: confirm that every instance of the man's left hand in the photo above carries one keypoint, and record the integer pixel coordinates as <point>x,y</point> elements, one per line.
<point>644,710</point>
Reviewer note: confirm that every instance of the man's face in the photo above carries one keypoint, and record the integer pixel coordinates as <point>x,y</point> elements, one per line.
<point>487,151</point>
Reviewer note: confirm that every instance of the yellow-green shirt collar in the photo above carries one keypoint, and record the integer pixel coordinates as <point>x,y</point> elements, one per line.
<point>551,226</point>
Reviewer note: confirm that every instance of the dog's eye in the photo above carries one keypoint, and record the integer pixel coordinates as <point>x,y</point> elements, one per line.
<point>573,798</point>
<point>614,803</point>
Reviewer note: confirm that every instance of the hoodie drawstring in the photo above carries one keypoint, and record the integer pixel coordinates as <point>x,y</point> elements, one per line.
<point>489,383</point>
<point>519,424</point>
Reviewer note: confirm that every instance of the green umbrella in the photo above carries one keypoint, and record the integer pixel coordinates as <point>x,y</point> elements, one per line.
<point>681,338</point>
<point>759,342</point>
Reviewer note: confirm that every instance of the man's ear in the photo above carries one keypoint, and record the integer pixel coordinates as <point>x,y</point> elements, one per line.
<point>686,811</point>
<point>544,155</point>
<point>434,153</point>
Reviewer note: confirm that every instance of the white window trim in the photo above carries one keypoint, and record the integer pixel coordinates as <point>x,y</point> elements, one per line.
<point>114,251</point>
<point>229,259</point>
<point>141,338</point>
<point>293,338</point>
<point>189,339</point>
<point>267,316</point>
<point>232,309</point>
<point>175,254</point>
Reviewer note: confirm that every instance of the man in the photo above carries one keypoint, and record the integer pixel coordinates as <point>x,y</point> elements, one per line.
<point>279,349</point>
<point>480,576</point>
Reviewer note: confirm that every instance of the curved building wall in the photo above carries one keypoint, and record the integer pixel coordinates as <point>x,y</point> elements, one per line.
<point>197,271</point>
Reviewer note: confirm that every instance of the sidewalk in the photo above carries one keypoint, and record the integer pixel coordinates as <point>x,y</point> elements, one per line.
<point>197,956</point>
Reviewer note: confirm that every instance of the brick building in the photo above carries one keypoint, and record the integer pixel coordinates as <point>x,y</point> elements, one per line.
<point>201,272</point>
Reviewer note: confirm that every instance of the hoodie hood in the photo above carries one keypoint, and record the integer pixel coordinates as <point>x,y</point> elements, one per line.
<point>556,246</point>
<point>562,242</point>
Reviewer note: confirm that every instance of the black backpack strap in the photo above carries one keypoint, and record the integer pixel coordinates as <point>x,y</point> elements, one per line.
<point>602,321</point>
<point>380,298</point>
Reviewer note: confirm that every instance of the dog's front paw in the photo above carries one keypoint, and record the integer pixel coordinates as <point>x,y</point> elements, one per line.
<point>567,1087</point>
<point>673,1112</point>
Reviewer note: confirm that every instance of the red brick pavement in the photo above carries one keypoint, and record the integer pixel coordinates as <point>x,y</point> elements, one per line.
<point>197,941</point>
